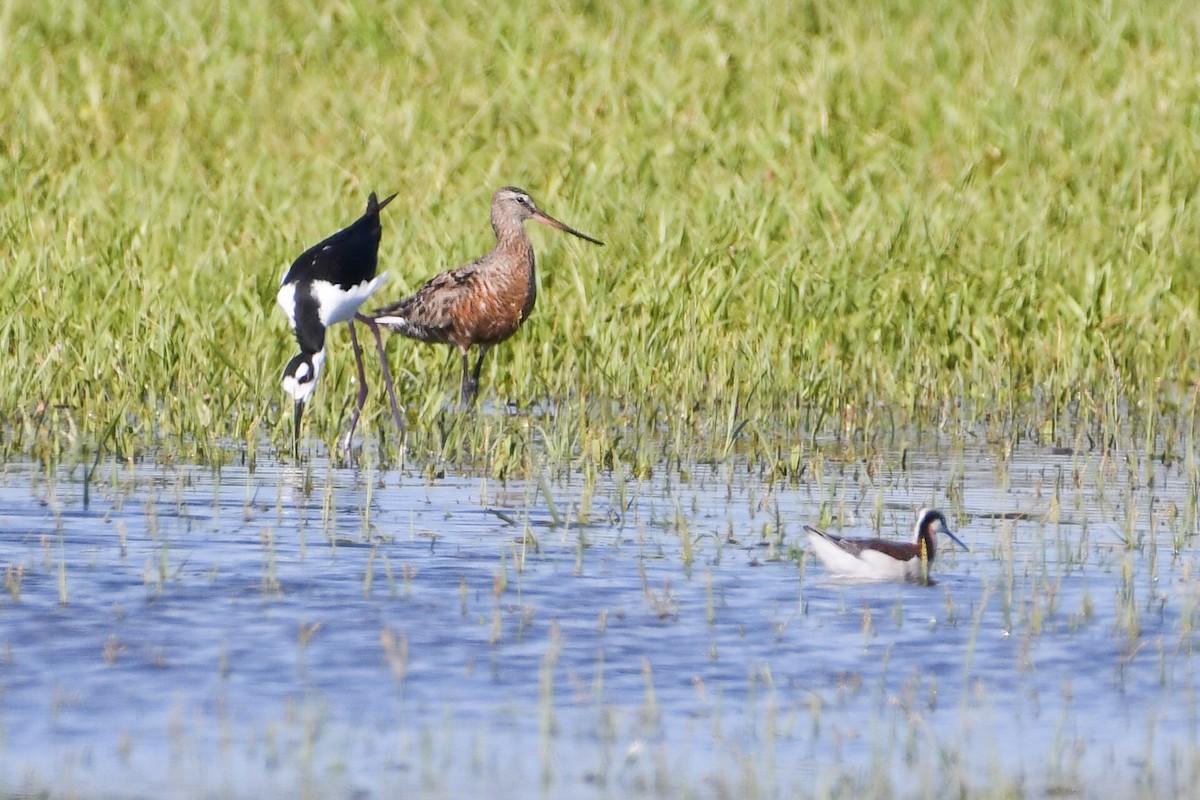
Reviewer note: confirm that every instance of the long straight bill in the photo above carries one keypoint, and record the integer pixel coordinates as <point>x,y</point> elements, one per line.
<point>546,219</point>
<point>296,429</point>
<point>957,540</point>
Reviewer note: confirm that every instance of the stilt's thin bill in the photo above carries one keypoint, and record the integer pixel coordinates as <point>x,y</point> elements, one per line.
<point>546,219</point>
<point>299,381</point>
<point>296,428</point>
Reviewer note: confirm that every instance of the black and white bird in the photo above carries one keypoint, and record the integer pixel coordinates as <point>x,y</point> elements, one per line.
<point>326,285</point>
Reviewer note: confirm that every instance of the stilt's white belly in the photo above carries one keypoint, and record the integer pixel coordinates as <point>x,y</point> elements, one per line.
<point>340,305</point>
<point>335,303</point>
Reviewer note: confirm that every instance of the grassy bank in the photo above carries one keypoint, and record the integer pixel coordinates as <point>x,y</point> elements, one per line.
<point>810,209</point>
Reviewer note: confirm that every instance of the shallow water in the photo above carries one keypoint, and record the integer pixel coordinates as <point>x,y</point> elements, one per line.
<point>329,632</point>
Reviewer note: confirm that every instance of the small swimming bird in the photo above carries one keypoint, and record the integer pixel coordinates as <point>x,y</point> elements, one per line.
<point>325,286</point>
<point>882,560</point>
<point>484,302</point>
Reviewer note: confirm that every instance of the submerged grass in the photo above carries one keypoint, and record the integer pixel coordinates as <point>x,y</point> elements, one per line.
<point>960,212</point>
<point>614,664</point>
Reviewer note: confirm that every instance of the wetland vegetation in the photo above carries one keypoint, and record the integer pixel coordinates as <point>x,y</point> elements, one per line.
<point>860,258</point>
<point>819,216</point>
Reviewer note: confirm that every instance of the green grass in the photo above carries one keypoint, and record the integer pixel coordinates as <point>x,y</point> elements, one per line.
<point>813,211</point>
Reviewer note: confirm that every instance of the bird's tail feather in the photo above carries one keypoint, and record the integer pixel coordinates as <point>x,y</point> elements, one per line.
<point>392,321</point>
<point>373,204</point>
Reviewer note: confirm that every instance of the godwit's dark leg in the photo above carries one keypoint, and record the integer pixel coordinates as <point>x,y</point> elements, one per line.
<point>362,385</point>
<point>387,373</point>
<point>470,382</point>
<point>483,348</point>
<point>469,387</point>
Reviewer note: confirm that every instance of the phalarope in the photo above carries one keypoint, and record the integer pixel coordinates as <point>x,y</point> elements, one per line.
<point>880,559</point>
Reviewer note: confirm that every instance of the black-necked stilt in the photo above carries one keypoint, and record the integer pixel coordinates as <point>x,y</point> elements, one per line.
<point>324,286</point>
<point>882,560</point>
<point>484,302</point>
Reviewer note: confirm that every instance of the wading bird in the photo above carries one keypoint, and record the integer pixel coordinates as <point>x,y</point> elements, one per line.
<point>482,303</point>
<point>882,560</point>
<point>324,286</point>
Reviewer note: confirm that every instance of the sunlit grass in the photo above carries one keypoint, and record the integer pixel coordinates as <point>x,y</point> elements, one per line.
<point>956,210</point>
